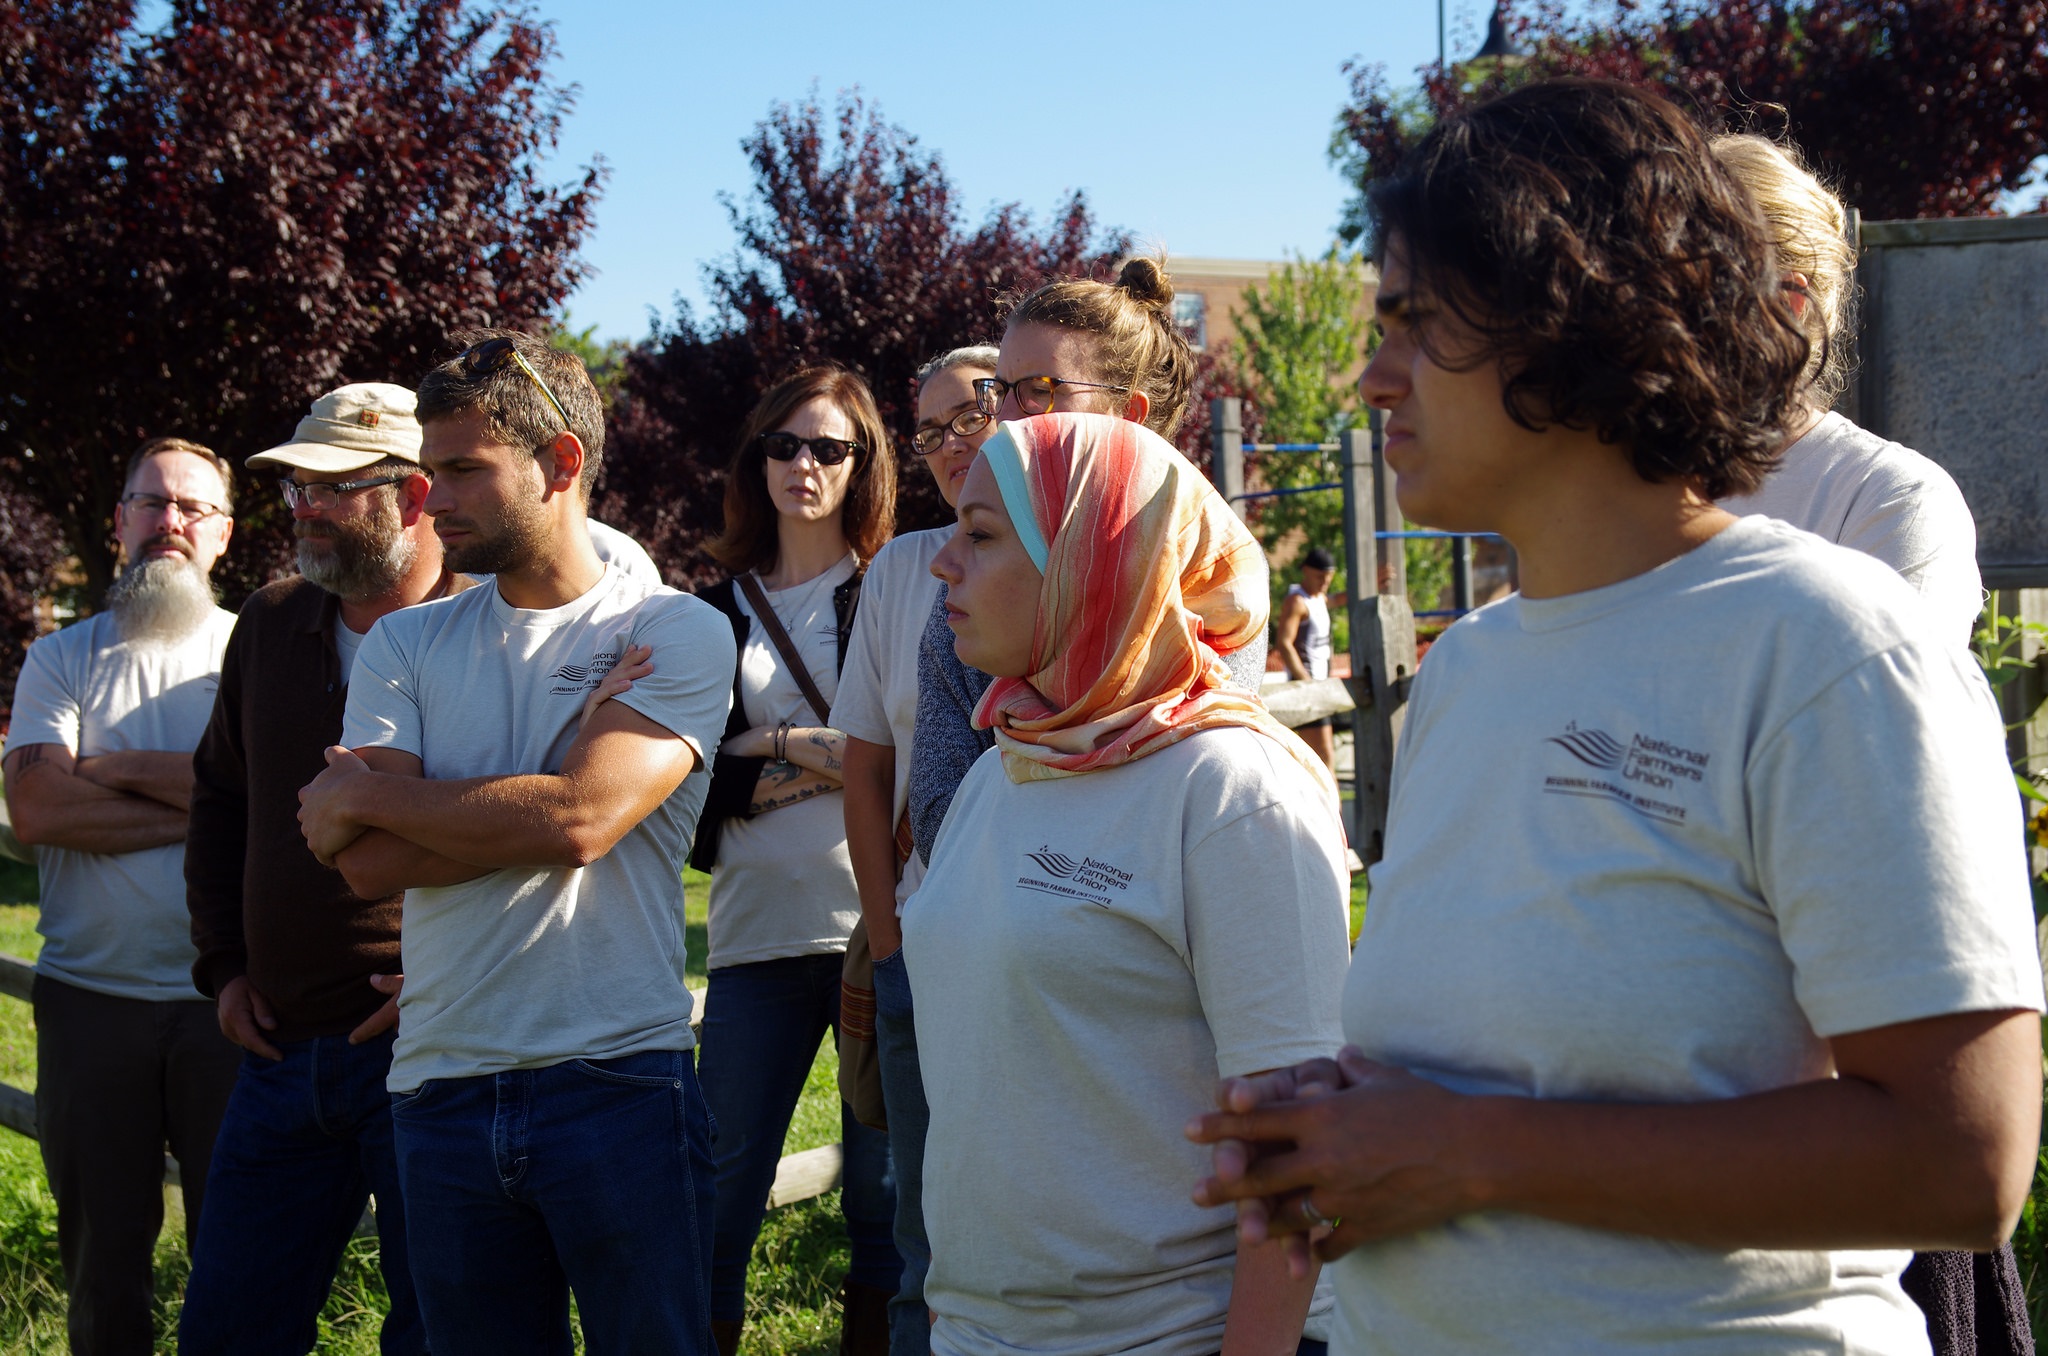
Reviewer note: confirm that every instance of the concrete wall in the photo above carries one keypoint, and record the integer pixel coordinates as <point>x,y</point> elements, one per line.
<point>1954,347</point>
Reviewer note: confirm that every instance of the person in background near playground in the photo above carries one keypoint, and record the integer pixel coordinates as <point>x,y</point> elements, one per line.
<point>298,965</point>
<point>810,497</point>
<point>1741,999</point>
<point>1073,344</point>
<point>876,709</point>
<point>527,761</point>
<point>1303,630</point>
<point>1141,889</point>
<point>99,776</point>
<point>1837,480</point>
<point>1887,501</point>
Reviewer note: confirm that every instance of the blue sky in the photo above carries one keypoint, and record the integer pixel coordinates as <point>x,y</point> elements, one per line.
<point>1202,127</point>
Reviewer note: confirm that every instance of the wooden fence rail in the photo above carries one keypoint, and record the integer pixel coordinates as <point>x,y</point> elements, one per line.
<point>799,1177</point>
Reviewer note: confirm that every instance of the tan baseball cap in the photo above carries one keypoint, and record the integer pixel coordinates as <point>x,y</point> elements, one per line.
<point>350,428</point>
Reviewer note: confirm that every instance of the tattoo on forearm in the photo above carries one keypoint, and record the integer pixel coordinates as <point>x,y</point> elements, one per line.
<point>27,759</point>
<point>779,774</point>
<point>822,739</point>
<point>767,803</point>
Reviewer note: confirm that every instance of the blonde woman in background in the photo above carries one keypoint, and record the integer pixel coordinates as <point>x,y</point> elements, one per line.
<point>1839,481</point>
<point>1857,489</point>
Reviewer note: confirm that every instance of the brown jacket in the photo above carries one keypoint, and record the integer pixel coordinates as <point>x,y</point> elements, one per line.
<point>261,904</point>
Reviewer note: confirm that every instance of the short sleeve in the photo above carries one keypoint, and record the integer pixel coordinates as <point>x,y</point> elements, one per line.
<point>1922,528</point>
<point>858,708</point>
<point>689,693</point>
<point>48,697</point>
<point>1268,919</point>
<point>383,695</point>
<point>1889,848</point>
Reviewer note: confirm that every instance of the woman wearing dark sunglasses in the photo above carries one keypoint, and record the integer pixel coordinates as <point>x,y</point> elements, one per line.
<point>810,496</point>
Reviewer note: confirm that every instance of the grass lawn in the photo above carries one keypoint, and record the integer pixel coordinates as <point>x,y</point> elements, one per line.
<point>794,1284</point>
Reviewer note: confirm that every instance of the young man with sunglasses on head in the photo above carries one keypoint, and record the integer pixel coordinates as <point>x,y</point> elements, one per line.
<point>297,963</point>
<point>99,775</point>
<point>527,761</point>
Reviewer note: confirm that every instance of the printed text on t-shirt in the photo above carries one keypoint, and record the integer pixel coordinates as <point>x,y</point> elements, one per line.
<point>1087,878</point>
<point>1650,776</point>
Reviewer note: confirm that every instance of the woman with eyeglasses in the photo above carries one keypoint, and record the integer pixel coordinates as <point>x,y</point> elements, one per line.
<point>810,497</point>
<point>877,711</point>
<point>1140,891</point>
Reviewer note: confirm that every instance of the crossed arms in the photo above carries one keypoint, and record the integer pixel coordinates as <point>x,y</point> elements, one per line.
<point>113,802</point>
<point>386,827</point>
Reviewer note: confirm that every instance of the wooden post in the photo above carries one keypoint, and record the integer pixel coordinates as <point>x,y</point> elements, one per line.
<point>1461,573</point>
<point>1226,450</point>
<point>1393,552</point>
<point>1382,639</point>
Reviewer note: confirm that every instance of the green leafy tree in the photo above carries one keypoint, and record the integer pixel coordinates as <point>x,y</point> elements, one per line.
<point>1301,341</point>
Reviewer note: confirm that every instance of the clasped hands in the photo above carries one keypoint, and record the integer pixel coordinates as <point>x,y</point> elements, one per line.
<point>1333,1153</point>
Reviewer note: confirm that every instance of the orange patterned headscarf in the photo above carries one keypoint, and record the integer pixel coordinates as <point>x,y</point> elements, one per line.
<point>1149,577</point>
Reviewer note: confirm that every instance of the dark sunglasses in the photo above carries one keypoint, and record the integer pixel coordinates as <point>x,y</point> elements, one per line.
<point>492,355</point>
<point>824,451</point>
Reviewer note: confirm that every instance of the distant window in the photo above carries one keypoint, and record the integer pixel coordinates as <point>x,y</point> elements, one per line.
<point>1191,313</point>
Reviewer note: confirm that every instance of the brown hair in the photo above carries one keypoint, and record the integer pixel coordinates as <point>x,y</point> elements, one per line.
<point>1141,346</point>
<point>160,447</point>
<point>1619,277</point>
<point>1810,227</point>
<point>749,540</point>
<point>518,414</point>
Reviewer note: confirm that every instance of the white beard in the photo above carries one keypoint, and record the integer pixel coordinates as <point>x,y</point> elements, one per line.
<point>161,599</point>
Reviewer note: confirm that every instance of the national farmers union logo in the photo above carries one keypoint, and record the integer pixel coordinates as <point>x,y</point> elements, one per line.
<point>1649,776</point>
<point>1087,879</point>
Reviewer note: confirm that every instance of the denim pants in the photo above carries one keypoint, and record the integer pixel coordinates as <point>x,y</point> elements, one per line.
<point>589,1175</point>
<point>305,1141</point>
<point>762,1026</point>
<point>909,1119</point>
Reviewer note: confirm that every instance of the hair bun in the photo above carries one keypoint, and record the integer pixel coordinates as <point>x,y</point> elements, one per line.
<point>1144,278</point>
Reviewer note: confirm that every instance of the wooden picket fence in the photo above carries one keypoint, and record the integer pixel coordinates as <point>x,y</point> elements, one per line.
<point>800,1177</point>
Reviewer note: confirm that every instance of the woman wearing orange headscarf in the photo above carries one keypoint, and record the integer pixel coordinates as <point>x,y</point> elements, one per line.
<point>1141,889</point>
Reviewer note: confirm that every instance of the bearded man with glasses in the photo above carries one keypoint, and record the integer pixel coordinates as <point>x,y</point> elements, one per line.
<point>298,964</point>
<point>99,775</point>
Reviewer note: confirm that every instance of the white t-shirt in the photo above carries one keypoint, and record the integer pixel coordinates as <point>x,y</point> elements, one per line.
<point>522,968</point>
<point>877,698</point>
<point>347,645</point>
<point>616,548</point>
<point>784,882</point>
<point>1853,488</point>
<point>1729,808</point>
<point>115,923</point>
<point>1312,636</point>
<point>1090,954</point>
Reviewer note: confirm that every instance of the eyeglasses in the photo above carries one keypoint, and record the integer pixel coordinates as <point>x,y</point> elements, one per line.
<point>1034,394</point>
<point>965,424</point>
<point>191,510</point>
<point>825,451</point>
<point>324,495</point>
<point>492,355</point>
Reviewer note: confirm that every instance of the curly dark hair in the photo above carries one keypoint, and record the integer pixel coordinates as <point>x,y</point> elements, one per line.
<point>1622,280</point>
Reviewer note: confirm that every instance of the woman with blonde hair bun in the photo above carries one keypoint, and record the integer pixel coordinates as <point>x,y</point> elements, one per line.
<point>1836,480</point>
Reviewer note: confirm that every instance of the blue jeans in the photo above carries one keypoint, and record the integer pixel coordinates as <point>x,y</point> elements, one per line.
<point>306,1139</point>
<point>762,1025</point>
<point>589,1175</point>
<point>909,1119</point>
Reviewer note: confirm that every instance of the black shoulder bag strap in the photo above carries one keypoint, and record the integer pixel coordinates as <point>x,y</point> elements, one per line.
<point>779,638</point>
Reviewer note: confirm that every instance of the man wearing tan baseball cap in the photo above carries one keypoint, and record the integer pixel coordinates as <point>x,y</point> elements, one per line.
<point>298,966</point>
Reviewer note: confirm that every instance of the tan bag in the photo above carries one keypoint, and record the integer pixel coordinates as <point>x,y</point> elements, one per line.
<point>860,1064</point>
